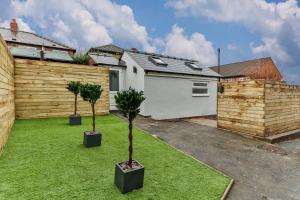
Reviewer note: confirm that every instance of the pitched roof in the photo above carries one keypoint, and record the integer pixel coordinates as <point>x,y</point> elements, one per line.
<point>108,48</point>
<point>174,64</point>
<point>31,38</point>
<point>240,68</point>
<point>108,59</point>
<point>54,55</point>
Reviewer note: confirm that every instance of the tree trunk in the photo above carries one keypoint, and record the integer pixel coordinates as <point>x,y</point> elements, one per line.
<point>130,149</point>
<point>75,111</point>
<point>93,109</point>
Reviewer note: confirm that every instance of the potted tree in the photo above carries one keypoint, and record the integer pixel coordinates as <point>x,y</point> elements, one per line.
<point>74,87</point>
<point>129,175</point>
<point>91,93</point>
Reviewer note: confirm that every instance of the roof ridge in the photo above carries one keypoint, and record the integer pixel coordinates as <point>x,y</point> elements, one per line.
<point>50,40</point>
<point>161,55</point>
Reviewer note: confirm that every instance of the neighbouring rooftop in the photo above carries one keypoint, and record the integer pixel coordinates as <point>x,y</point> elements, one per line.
<point>54,55</point>
<point>110,48</point>
<point>106,59</point>
<point>23,37</point>
<point>241,68</point>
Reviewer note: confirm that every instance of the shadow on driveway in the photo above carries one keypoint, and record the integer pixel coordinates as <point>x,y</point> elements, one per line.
<point>261,170</point>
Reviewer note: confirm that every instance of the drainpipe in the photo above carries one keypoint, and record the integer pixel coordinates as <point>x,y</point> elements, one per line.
<point>42,52</point>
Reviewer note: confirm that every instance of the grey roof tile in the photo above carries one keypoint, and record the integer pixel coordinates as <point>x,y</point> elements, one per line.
<point>58,56</point>
<point>174,65</point>
<point>30,38</point>
<point>25,52</point>
<point>104,59</point>
<point>108,48</point>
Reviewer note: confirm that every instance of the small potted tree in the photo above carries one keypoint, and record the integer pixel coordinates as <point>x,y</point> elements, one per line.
<point>129,175</point>
<point>91,93</point>
<point>74,87</point>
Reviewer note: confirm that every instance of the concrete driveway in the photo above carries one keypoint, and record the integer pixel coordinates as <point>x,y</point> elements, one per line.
<point>261,170</point>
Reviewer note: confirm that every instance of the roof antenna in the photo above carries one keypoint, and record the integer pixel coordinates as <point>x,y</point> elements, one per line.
<point>219,54</point>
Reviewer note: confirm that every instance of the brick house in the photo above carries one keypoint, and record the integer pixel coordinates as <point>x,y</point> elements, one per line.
<point>24,44</point>
<point>262,68</point>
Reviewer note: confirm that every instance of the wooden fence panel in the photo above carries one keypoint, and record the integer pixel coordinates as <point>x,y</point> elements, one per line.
<point>40,88</point>
<point>259,108</point>
<point>7,104</point>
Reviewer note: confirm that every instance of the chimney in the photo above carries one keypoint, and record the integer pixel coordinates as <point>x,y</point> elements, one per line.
<point>14,26</point>
<point>134,50</point>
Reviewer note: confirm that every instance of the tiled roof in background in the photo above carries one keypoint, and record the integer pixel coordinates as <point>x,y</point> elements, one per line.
<point>54,55</point>
<point>108,48</point>
<point>31,38</point>
<point>240,68</point>
<point>106,59</point>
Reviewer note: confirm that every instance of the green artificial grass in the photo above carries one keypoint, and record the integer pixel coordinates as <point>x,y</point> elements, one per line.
<point>45,159</point>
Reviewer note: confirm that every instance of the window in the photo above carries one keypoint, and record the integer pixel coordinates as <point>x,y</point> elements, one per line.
<point>135,70</point>
<point>114,80</point>
<point>200,89</point>
<point>193,66</point>
<point>157,60</point>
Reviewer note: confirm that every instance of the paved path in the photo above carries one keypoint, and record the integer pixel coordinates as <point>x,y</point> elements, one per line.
<point>261,170</point>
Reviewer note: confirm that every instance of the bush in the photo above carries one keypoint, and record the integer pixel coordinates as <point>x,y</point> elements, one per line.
<point>81,59</point>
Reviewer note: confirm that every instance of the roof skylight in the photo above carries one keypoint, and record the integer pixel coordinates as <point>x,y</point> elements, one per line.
<point>157,60</point>
<point>193,66</point>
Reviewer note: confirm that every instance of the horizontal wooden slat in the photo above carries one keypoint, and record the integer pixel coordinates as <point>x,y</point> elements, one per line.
<point>272,107</point>
<point>40,88</point>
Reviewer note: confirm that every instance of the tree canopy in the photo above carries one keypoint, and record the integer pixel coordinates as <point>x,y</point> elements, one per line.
<point>91,92</point>
<point>129,101</point>
<point>74,87</point>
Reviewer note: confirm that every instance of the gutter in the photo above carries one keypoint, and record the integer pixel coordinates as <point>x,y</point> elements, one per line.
<point>147,70</point>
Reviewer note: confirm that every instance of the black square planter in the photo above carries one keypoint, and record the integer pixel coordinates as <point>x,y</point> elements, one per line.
<point>127,181</point>
<point>75,120</point>
<point>92,139</point>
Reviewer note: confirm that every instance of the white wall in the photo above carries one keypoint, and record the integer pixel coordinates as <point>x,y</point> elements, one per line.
<point>133,80</point>
<point>171,97</point>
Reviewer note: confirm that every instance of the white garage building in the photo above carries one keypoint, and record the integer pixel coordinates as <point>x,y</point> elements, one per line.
<point>173,87</point>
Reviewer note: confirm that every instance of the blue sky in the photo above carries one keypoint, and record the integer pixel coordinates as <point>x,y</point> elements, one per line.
<point>185,28</point>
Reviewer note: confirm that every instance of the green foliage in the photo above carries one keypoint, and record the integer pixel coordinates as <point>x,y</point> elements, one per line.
<point>90,92</point>
<point>74,87</point>
<point>128,102</point>
<point>81,59</point>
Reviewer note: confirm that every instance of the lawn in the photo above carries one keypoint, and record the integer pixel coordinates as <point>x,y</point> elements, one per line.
<point>45,159</point>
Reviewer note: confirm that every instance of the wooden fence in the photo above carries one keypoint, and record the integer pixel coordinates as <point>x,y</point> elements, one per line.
<point>7,105</point>
<point>40,88</point>
<point>258,107</point>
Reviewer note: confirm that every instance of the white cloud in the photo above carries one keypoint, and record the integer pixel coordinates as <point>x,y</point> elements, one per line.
<point>84,23</point>
<point>277,23</point>
<point>194,47</point>
<point>23,26</point>
<point>232,47</point>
